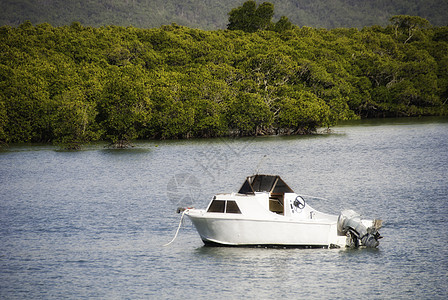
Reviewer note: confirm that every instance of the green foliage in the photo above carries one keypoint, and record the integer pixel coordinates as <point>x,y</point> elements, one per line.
<point>124,106</point>
<point>408,25</point>
<point>303,113</point>
<point>283,25</point>
<point>74,84</point>
<point>73,120</point>
<point>250,18</point>
<point>3,122</point>
<point>248,114</point>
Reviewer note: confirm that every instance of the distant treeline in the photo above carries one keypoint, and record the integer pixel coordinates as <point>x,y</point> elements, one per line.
<point>73,84</point>
<point>212,15</point>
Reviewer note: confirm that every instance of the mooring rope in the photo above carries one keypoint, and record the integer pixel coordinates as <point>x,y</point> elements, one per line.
<point>178,227</point>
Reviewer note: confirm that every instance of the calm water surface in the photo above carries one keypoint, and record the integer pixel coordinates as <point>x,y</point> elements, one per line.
<point>91,224</point>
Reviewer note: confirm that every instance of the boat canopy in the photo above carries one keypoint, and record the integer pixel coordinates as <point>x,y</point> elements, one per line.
<point>264,183</point>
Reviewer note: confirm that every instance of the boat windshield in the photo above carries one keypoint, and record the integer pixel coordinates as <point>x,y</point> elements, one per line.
<point>264,183</point>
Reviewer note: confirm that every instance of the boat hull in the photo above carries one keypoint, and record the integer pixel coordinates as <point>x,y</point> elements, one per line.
<point>253,232</point>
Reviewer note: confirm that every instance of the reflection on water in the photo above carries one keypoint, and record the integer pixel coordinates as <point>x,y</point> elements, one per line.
<point>395,121</point>
<point>91,224</point>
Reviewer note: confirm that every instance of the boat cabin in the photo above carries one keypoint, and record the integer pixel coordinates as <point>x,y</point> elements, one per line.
<point>271,186</point>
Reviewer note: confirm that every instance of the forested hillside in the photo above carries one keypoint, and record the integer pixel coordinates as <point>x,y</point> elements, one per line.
<point>74,84</point>
<point>212,15</point>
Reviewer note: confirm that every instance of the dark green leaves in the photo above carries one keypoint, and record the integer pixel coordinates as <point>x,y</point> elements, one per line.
<point>250,18</point>
<point>124,106</point>
<point>75,84</point>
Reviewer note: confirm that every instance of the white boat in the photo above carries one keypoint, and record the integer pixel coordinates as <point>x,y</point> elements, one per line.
<point>267,212</point>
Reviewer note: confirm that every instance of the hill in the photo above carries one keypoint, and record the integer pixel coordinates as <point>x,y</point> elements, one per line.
<point>211,15</point>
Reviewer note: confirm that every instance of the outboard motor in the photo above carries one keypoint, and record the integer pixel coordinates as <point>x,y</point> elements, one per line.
<point>351,225</point>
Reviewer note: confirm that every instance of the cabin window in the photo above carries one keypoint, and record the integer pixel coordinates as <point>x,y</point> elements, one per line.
<point>217,206</point>
<point>232,207</point>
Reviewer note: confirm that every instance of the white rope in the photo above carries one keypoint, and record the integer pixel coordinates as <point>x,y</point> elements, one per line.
<point>177,231</point>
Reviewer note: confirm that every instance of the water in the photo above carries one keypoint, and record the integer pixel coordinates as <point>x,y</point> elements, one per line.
<point>91,224</point>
